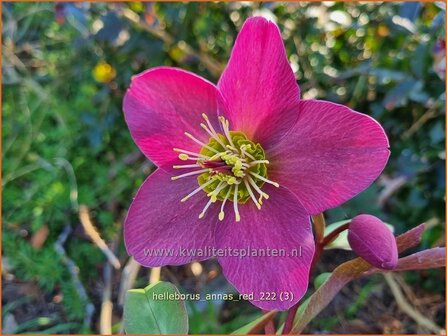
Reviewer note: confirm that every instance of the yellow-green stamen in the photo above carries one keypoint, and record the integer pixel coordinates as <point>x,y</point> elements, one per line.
<point>232,168</point>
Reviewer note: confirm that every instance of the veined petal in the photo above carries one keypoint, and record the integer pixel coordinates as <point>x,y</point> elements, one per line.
<point>282,226</point>
<point>330,155</point>
<point>158,223</point>
<point>372,240</point>
<point>163,103</point>
<point>258,84</point>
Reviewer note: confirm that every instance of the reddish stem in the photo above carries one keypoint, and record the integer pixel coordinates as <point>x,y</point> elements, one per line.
<point>331,236</point>
<point>319,247</point>
<point>289,320</point>
<point>269,328</point>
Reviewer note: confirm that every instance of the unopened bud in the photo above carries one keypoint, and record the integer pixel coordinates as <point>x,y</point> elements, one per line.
<point>372,240</point>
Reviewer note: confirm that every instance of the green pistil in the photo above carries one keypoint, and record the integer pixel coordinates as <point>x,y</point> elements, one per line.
<point>238,159</point>
<point>229,168</point>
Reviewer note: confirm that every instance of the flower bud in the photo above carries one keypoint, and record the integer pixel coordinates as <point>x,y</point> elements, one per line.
<point>103,72</point>
<point>372,240</point>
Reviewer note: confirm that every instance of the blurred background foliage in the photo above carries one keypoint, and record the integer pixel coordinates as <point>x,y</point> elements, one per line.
<point>65,69</point>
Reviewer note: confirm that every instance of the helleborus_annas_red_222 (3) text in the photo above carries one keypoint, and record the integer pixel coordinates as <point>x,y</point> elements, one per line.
<point>243,165</point>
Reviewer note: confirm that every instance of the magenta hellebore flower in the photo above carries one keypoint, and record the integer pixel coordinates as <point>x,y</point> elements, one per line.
<point>241,167</point>
<point>372,240</point>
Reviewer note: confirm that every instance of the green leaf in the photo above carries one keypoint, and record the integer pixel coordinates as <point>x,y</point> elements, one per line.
<point>256,325</point>
<point>341,242</point>
<point>156,309</point>
<point>320,279</point>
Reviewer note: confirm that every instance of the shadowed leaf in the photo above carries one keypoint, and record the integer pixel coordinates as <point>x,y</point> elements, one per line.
<point>145,314</point>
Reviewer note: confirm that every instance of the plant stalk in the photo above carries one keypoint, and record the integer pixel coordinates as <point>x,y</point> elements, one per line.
<point>319,247</point>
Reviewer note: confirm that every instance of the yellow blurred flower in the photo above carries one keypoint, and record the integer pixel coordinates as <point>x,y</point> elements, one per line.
<point>136,6</point>
<point>103,72</point>
<point>177,53</point>
<point>383,30</point>
<point>338,32</point>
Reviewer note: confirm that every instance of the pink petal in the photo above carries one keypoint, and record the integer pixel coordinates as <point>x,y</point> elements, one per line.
<point>372,240</point>
<point>158,221</point>
<point>258,83</point>
<point>281,224</point>
<point>331,154</point>
<point>163,103</point>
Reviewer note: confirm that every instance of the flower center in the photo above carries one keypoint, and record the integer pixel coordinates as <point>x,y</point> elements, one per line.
<point>232,168</point>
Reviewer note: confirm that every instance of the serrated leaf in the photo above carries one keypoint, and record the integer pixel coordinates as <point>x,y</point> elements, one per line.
<point>153,310</point>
